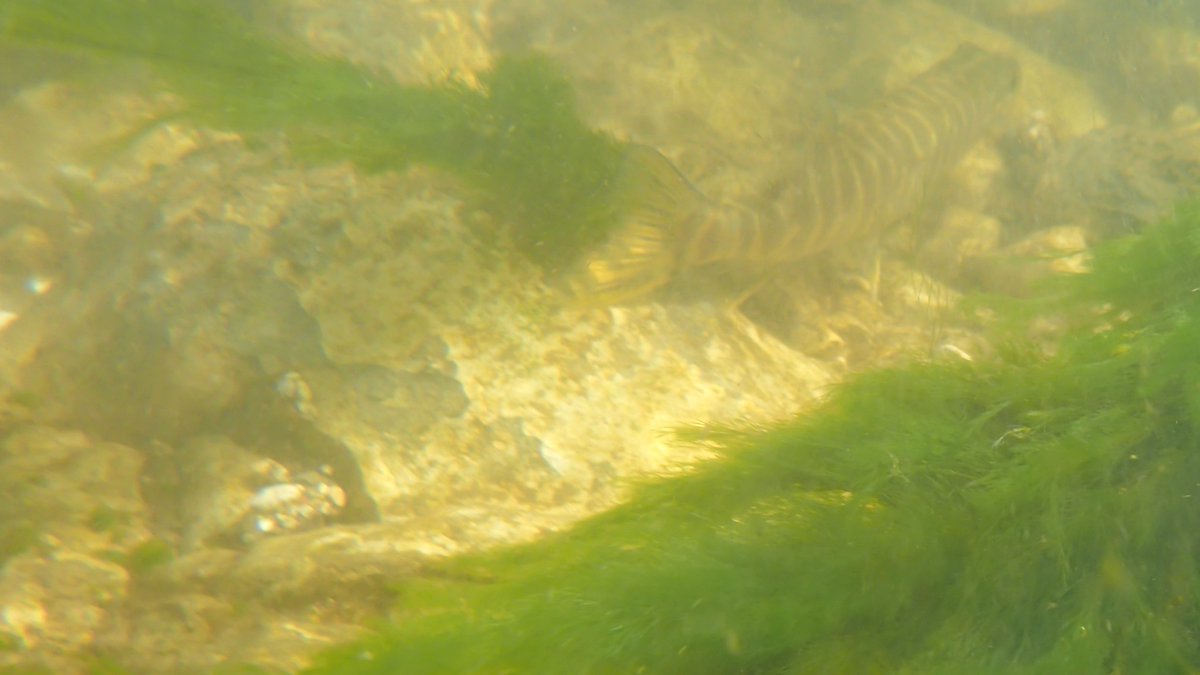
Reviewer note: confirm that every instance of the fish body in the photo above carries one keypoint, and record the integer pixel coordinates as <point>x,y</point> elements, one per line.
<point>868,170</point>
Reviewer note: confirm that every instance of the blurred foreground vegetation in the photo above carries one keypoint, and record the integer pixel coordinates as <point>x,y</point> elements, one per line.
<point>518,140</point>
<point>1033,514</point>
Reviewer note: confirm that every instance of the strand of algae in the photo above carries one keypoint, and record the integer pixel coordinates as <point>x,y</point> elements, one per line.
<point>520,141</point>
<point>1034,515</point>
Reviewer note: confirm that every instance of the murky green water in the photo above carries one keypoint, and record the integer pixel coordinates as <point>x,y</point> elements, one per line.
<point>311,309</point>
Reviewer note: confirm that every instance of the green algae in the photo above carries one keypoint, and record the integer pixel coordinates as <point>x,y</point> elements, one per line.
<point>144,557</point>
<point>1035,514</point>
<point>519,141</point>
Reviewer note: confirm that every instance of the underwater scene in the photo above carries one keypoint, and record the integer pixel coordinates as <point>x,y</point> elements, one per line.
<point>600,336</point>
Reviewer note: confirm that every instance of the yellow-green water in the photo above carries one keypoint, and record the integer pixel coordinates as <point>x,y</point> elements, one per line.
<point>293,356</point>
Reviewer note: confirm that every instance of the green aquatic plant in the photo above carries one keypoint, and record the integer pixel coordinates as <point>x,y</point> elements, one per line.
<point>519,140</point>
<point>146,556</point>
<point>1036,514</point>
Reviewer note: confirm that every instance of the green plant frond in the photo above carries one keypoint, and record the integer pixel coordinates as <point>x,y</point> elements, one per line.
<point>520,142</point>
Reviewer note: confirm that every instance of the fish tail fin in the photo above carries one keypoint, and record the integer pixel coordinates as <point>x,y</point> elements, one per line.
<point>655,201</point>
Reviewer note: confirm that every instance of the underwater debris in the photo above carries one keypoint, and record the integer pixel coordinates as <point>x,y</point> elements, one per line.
<point>1029,514</point>
<point>849,182</point>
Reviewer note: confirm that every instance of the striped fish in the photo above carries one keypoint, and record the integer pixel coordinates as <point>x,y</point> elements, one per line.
<point>867,171</point>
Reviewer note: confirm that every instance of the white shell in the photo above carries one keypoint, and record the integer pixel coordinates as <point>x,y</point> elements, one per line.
<point>275,496</point>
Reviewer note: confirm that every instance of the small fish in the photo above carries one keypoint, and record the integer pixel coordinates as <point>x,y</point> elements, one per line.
<point>850,182</point>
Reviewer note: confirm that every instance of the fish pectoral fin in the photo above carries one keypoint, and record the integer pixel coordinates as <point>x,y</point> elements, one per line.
<point>655,202</point>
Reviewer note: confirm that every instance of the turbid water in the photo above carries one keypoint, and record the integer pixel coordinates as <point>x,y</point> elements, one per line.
<point>319,318</point>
